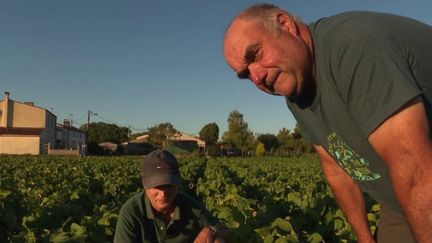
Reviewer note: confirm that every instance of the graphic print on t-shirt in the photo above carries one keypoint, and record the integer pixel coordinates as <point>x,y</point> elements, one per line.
<point>356,166</point>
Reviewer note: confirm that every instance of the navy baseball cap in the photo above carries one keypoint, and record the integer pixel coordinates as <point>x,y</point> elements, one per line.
<point>159,168</point>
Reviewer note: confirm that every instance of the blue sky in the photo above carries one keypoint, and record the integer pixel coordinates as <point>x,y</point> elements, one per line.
<point>140,63</point>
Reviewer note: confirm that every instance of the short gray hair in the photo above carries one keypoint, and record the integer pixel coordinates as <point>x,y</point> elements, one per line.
<point>265,14</point>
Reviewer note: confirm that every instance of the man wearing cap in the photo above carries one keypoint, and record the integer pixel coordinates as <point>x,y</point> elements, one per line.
<point>160,213</point>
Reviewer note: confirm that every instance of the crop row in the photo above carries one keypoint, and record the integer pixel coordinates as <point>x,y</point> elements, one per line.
<point>53,199</point>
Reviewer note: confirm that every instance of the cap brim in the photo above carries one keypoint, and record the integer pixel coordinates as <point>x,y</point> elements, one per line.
<point>161,179</point>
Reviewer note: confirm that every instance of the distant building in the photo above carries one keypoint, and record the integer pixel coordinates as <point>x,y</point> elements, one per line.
<point>139,146</point>
<point>178,137</point>
<point>180,140</point>
<point>108,148</point>
<point>69,137</point>
<point>29,129</point>
<point>25,128</point>
<point>187,142</point>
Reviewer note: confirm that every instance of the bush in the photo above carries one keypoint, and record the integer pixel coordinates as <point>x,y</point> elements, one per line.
<point>260,149</point>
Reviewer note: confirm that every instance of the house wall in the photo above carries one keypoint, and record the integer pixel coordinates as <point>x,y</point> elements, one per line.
<point>5,107</point>
<point>76,138</point>
<point>49,134</point>
<point>60,138</point>
<point>2,112</point>
<point>70,138</point>
<point>24,115</point>
<point>19,145</point>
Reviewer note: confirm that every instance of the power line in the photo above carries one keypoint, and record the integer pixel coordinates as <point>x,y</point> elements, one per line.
<point>76,121</point>
<point>120,125</point>
<point>109,121</point>
<point>81,117</point>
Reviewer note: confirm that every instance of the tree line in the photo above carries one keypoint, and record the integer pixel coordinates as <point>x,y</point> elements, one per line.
<point>238,140</point>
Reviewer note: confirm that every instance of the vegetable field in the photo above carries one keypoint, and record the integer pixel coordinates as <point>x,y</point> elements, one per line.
<point>266,199</point>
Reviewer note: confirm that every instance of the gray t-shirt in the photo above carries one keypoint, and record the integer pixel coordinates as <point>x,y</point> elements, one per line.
<point>368,65</point>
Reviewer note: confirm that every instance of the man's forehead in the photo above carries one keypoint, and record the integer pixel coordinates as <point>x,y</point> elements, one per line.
<point>238,37</point>
<point>237,28</point>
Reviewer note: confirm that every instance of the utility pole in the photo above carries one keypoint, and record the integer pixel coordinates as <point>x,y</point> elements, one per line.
<point>88,120</point>
<point>84,150</point>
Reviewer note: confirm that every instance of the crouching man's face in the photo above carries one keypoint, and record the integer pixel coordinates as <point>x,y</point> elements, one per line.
<point>162,197</point>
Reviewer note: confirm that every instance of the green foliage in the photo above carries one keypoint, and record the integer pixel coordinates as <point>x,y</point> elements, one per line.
<point>160,134</point>
<point>48,198</point>
<point>213,150</point>
<point>293,143</point>
<point>179,147</point>
<point>273,200</point>
<point>210,133</point>
<point>103,132</point>
<point>270,141</point>
<point>238,132</point>
<point>284,137</point>
<point>265,199</point>
<point>260,149</point>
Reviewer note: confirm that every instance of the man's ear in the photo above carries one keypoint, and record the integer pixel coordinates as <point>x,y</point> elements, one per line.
<point>287,23</point>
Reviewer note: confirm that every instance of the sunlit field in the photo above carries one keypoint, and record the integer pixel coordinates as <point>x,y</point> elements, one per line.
<point>262,199</point>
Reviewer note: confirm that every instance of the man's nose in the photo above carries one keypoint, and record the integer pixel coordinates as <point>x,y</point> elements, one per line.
<point>163,193</point>
<point>257,73</point>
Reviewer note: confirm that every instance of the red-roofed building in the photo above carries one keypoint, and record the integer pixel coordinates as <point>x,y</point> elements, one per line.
<point>25,128</point>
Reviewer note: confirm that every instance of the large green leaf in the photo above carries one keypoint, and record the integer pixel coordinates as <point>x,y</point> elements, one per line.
<point>282,224</point>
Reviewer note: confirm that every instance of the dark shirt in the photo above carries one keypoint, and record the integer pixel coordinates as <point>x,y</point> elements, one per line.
<point>136,221</point>
<point>368,65</point>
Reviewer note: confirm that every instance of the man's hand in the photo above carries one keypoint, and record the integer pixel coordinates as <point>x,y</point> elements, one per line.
<point>207,235</point>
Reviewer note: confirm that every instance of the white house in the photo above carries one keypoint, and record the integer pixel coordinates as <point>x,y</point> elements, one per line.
<point>69,137</point>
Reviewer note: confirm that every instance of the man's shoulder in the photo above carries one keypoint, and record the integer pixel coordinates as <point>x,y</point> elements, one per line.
<point>359,23</point>
<point>192,205</point>
<point>186,200</point>
<point>195,208</point>
<point>134,203</point>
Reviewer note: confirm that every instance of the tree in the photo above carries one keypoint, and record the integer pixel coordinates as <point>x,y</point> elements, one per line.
<point>285,141</point>
<point>238,133</point>
<point>297,133</point>
<point>293,143</point>
<point>160,134</point>
<point>104,132</point>
<point>209,133</point>
<point>301,146</point>
<point>283,136</point>
<point>270,141</point>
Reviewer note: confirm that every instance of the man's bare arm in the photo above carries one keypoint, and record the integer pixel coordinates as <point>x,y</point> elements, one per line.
<point>348,195</point>
<point>403,142</point>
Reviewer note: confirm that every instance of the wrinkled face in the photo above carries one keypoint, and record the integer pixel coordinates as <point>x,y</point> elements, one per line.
<point>278,65</point>
<point>162,197</point>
